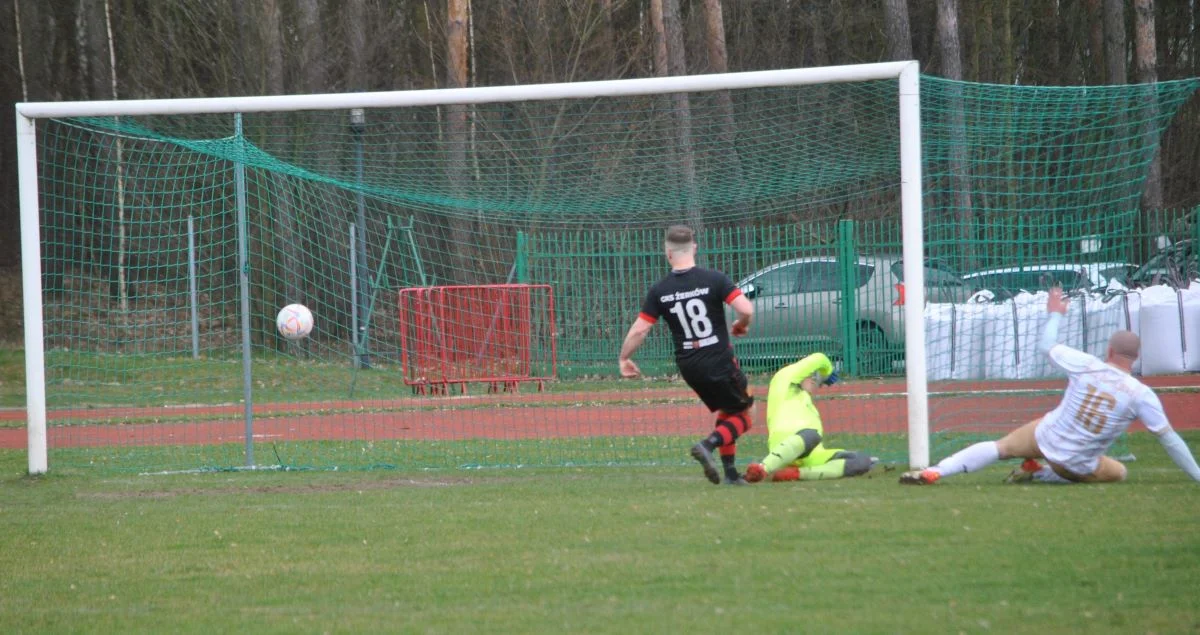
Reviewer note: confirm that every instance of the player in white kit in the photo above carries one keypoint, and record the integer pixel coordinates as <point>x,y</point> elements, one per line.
<point>1101,400</point>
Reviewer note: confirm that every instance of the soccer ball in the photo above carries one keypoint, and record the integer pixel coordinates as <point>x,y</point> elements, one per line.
<point>294,322</point>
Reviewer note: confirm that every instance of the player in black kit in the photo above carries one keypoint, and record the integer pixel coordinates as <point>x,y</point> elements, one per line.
<point>691,301</point>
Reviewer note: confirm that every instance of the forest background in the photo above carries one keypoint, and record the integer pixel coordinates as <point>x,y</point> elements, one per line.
<point>52,50</point>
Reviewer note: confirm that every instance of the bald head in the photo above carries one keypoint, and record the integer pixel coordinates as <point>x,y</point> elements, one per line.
<point>1124,344</point>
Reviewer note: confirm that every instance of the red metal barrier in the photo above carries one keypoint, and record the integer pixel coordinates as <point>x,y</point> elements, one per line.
<point>500,334</point>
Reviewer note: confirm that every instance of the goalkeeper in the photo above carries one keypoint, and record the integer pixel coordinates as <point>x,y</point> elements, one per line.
<point>794,429</point>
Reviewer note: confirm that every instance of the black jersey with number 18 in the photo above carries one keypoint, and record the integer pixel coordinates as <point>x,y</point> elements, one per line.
<point>692,303</point>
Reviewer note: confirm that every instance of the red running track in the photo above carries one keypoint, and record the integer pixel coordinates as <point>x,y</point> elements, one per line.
<point>861,408</point>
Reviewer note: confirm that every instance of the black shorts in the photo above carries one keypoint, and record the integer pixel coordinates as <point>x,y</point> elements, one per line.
<point>722,386</point>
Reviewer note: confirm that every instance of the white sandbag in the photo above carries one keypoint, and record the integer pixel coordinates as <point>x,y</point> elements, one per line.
<point>1011,333</point>
<point>1104,315</point>
<point>938,347</point>
<point>1191,326</point>
<point>1000,340</point>
<point>954,340</point>
<point>1162,331</point>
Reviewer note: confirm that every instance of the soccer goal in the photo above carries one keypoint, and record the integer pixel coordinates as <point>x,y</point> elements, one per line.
<point>473,257</point>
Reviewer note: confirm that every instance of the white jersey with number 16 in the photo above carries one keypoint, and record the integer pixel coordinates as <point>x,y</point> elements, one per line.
<point>1099,404</point>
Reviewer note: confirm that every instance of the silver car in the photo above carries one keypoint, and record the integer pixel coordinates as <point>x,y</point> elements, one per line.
<point>1008,281</point>
<point>798,309</point>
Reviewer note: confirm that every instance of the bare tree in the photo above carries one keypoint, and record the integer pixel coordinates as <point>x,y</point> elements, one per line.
<point>718,62</point>
<point>1114,41</point>
<point>819,49</point>
<point>949,45</point>
<point>272,39</point>
<point>244,45</point>
<point>899,36</point>
<point>670,59</point>
<point>1095,13</point>
<point>457,54</point>
<point>20,50</point>
<point>356,43</point>
<point>960,180</point>
<point>283,212</point>
<point>1146,58</point>
<point>312,46</point>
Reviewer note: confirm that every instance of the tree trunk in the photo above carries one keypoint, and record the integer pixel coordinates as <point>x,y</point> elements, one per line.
<point>948,42</point>
<point>820,45</point>
<point>670,59</point>
<point>356,43</point>
<point>899,35</point>
<point>272,39</point>
<point>718,62</point>
<point>1146,58</point>
<point>244,45</point>
<point>1010,72</point>
<point>1114,40</point>
<point>1096,72</point>
<point>312,47</point>
<point>661,68</point>
<point>283,212</point>
<point>960,178</point>
<point>457,131</point>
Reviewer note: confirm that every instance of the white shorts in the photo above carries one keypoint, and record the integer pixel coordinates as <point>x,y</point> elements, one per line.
<point>1065,452</point>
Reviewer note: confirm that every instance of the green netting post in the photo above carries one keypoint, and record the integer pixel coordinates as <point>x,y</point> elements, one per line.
<point>193,295</point>
<point>376,285</point>
<point>522,258</point>
<point>243,247</point>
<point>412,246</point>
<point>848,270</point>
<point>358,123</point>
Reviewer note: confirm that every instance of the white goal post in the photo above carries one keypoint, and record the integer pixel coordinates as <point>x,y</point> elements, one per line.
<point>906,72</point>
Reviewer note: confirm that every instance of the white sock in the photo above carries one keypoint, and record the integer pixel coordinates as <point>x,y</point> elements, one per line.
<point>1048,475</point>
<point>971,459</point>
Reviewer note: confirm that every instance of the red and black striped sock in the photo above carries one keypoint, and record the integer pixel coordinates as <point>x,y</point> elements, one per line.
<point>729,461</point>
<point>725,435</point>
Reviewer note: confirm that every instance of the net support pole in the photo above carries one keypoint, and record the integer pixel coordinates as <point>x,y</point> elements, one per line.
<point>243,257</point>
<point>31,286</point>
<point>848,271</point>
<point>354,333</point>
<point>914,266</point>
<point>193,295</point>
<point>358,124</point>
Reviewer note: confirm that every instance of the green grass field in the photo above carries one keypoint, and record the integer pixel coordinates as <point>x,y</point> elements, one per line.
<point>595,550</point>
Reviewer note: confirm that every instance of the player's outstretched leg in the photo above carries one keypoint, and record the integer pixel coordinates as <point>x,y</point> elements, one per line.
<point>842,464</point>
<point>793,447</point>
<point>920,477</point>
<point>724,436</point>
<point>971,459</point>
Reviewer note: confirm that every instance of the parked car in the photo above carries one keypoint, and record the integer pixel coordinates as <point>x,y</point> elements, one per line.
<point>1172,265</point>
<point>1008,281</point>
<point>797,308</point>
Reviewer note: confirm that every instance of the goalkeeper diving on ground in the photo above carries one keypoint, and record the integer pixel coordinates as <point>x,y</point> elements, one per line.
<point>1101,400</point>
<point>795,432</point>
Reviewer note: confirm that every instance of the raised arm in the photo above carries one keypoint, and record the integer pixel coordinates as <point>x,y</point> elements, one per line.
<point>1150,411</point>
<point>1056,306</point>
<point>801,370</point>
